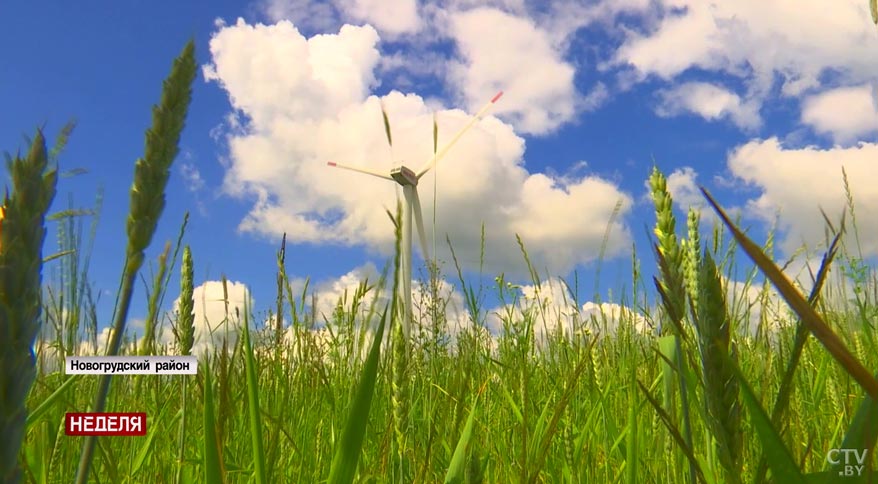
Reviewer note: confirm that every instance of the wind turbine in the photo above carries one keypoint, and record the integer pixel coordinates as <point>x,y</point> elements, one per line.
<point>408,179</point>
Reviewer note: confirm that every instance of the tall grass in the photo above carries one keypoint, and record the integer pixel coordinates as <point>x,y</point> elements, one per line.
<point>667,389</point>
<point>531,406</point>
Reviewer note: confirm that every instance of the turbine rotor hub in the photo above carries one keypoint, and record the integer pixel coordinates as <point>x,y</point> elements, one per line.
<point>404,176</point>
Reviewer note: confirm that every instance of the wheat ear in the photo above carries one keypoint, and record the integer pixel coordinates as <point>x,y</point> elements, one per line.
<point>22,232</point>
<point>147,203</point>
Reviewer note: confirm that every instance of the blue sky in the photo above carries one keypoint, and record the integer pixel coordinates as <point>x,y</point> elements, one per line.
<point>762,102</point>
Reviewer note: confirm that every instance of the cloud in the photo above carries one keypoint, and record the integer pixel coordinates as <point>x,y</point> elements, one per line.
<point>545,199</point>
<point>328,293</point>
<point>493,40</point>
<point>212,327</point>
<point>191,177</point>
<point>755,307</point>
<point>316,15</point>
<point>745,39</point>
<point>846,114</point>
<point>318,108</point>
<point>260,65</point>
<point>709,101</point>
<point>495,46</point>
<point>796,183</point>
<point>551,309</point>
<point>347,290</point>
<point>388,16</point>
<point>812,47</point>
<point>684,189</point>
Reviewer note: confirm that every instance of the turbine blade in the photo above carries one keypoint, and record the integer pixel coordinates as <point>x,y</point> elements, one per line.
<point>361,170</point>
<point>437,156</point>
<point>415,201</point>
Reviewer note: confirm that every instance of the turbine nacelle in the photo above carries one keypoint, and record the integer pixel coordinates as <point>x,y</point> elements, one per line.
<point>404,176</point>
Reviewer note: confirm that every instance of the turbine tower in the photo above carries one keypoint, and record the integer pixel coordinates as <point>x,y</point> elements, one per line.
<point>408,179</point>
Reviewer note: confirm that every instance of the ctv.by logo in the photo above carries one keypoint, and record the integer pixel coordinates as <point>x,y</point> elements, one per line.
<point>850,462</point>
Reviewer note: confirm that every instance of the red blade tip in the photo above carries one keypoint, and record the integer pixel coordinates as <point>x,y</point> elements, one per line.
<point>331,163</point>
<point>496,97</point>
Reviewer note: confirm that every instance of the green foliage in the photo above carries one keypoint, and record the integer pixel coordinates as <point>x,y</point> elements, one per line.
<point>347,454</point>
<point>253,408</point>
<point>717,355</point>
<point>457,469</point>
<point>210,449</point>
<point>22,232</point>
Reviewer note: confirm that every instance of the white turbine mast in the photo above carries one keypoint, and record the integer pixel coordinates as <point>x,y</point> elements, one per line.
<point>408,179</point>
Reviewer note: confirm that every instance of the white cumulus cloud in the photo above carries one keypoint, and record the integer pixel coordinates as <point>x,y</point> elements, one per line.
<point>308,101</point>
<point>709,101</point>
<point>758,43</point>
<point>503,51</point>
<point>798,182</point>
<point>388,16</point>
<point>847,114</point>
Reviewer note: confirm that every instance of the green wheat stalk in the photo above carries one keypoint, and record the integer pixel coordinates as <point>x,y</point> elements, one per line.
<point>672,282</point>
<point>720,384</point>
<point>399,383</point>
<point>147,203</point>
<point>672,290</point>
<point>692,256</point>
<point>22,232</point>
<point>184,333</point>
<point>281,275</point>
<point>147,347</point>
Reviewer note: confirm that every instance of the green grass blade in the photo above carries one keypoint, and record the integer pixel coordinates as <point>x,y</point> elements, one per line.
<point>800,305</point>
<point>147,445</point>
<point>347,454</point>
<point>633,452</point>
<point>386,124</point>
<point>58,255</point>
<point>519,418</point>
<point>786,384</point>
<point>46,404</point>
<point>560,407</point>
<point>780,460</point>
<point>675,433</point>
<point>253,402</point>
<point>862,431</point>
<point>210,457</point>
<point>541,423</point>
<point>457,468</point>
<point>667,349</point>
<point>181,448</point>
